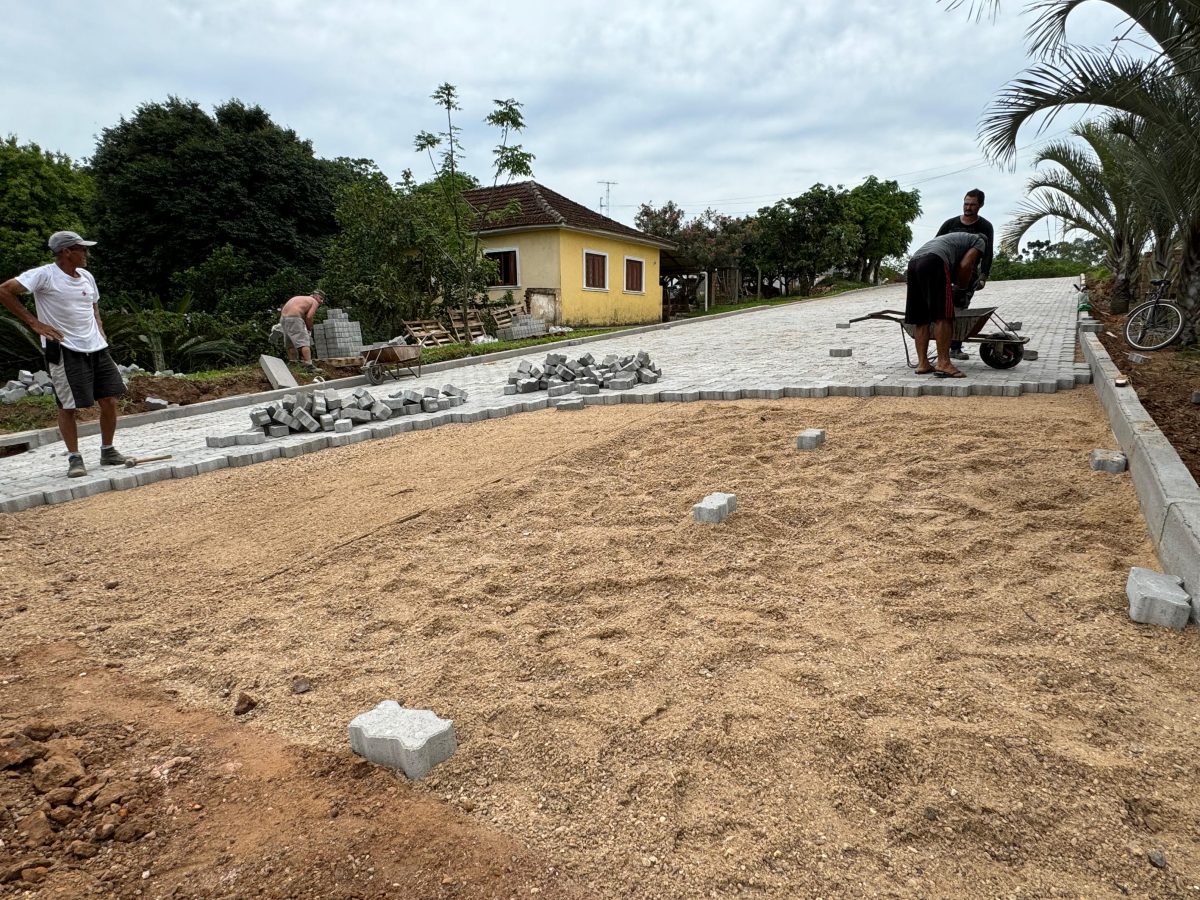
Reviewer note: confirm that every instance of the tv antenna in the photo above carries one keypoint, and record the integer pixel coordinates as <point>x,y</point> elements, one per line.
<point>606,200</point>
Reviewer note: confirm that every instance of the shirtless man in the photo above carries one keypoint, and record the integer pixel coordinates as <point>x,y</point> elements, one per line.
<point>296,320</point>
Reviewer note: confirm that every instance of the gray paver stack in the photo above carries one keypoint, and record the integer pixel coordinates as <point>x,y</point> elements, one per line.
<point>337,336</point>
<point>523,326</point>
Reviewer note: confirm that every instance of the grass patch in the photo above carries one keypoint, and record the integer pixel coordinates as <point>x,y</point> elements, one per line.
<point>28,414</point>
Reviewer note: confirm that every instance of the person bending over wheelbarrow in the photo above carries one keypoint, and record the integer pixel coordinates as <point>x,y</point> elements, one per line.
<point>940,273</point>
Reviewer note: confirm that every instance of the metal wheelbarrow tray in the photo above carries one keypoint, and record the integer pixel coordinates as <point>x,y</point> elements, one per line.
<point>391,360</point>
<point>1002,348</point>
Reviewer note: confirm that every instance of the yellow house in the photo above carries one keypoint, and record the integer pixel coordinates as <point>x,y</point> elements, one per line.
<point>573,265</point>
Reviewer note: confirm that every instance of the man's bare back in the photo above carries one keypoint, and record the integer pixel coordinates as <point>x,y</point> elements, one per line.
<point>304,305</point>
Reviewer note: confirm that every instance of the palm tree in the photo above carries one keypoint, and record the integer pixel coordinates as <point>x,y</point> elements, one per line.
<point>1091,192</point>
<point>1160,94</point>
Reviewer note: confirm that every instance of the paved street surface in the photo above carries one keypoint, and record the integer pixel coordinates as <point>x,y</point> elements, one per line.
<point>769,353</point>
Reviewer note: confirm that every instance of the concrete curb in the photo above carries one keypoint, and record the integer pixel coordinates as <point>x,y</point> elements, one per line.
<point>1166,490</point>
<point>33,439</point>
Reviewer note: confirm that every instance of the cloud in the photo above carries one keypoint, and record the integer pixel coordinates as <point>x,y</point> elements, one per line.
<point>709,103</point>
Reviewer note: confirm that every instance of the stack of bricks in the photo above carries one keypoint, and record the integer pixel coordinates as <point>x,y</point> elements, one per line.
<point>337,336</point>
<point>325,410</point>
<point>559,375</point>
<point>523,326</point>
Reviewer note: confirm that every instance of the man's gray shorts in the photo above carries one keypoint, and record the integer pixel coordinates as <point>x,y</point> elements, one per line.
<point>295,331</point>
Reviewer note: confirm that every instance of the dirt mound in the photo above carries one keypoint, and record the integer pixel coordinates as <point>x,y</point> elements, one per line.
<point>109,789</point>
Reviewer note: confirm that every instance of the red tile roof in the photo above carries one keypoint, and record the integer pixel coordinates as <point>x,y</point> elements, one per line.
<point>541,207</point>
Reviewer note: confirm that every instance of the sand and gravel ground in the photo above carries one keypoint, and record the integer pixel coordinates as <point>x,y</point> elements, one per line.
<point>902,667</point>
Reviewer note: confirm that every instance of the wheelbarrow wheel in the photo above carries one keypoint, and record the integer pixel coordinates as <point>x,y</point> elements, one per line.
<point>374,373</point>
<point>1001,354</point>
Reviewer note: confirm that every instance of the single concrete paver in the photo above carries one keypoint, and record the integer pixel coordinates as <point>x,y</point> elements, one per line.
<point>781,351</point>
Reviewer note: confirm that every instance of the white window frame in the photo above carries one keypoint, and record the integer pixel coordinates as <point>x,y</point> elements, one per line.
<point>625,275</point>
<point>516,251</point>
<point>607,280</point>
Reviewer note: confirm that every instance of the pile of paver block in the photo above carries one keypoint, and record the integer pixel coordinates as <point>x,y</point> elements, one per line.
<point>337,336</point>
<point>1157,599</point>
<point>715,508</point>
<point>326,410</point>
<point>27,384</point>
<point>412,740</point>
<point>559,375</point>
<point>38,384</point>
<point>523,326</point>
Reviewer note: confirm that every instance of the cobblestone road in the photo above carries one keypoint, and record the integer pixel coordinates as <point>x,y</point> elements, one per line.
<point>775,352</point>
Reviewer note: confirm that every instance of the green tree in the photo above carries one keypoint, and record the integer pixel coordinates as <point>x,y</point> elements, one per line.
<point>175,185</point>
<point>884,215</point>
<point>1160,92</point>
<point>663,221</point>
<point>41,192</point>
<point>386,259</point>
<point>1090,190</point>
<point>448,220</point>
<point>803,238</point>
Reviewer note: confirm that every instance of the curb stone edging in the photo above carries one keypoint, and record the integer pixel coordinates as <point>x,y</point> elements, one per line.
<point>1166,490</point>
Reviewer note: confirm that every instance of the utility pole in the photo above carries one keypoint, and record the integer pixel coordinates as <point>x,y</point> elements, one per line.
<point>606,200</point>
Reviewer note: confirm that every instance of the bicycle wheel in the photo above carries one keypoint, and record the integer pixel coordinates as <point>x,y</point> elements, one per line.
<point>1153,325</point>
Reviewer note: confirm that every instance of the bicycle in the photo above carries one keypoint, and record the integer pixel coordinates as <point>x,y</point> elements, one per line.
<point>1156,322</point>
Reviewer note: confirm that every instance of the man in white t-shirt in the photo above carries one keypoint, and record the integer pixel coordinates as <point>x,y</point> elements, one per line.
<point>68,320</point>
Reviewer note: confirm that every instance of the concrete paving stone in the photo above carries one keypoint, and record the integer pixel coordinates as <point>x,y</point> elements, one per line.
<point>1030,355</point>
<point>91,486</point>
<point>184,470</point>
<point>21,502</point>
<point>1065,382</point>
<point>560,390</point>
<point>58,495</point>
<point>220,440</point>
<point>357,436</point>
<point>343,426</point>
<point>510,389</point>
<point>810,439</point>
<point>841,351</point>
<point>1157,599</point>
<point>278,431</point>
<point>123,481</point>
<point>569,405</point>
<point>249,438</point>
<point>211,464</point>
<point>1113,461</point>
<point>152,474</point>
<point>710,394</point>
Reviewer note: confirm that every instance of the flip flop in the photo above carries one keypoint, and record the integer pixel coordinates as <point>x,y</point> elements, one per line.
<point>938,373</point>
<point>928,371</point>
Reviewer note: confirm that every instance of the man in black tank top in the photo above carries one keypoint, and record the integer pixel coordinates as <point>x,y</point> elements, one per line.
<point>972,223</point>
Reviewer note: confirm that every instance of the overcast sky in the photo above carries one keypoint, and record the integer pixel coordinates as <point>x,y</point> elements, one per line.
<point>729,105</point>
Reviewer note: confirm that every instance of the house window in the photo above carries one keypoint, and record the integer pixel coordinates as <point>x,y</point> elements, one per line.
<point>635,275</point>
<point>507,260</point>
<point>595,270</point>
